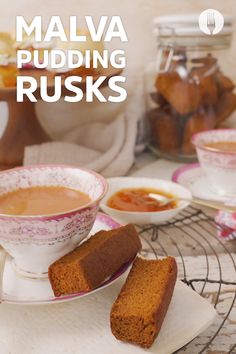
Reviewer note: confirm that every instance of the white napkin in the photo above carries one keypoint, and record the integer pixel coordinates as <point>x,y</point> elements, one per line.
<point>83,326</point>
<point>104,145</point>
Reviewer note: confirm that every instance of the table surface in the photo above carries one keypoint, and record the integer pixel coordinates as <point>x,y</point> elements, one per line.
<point>147,165</point>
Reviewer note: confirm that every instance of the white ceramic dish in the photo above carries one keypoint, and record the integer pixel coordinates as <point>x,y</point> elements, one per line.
<point>83,326</point>
<point>194,178</point>
<point>118,183</point>
<point>22,290</point>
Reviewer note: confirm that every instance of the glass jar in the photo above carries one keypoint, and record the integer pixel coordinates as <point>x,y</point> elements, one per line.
<point>189,87</point>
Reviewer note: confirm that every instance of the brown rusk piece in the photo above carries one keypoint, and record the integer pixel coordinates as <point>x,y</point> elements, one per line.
<point>206,81</point>
<point>224,83</point>
<point>200,121</point>
<point>164,129</point>
<point>207,61</point>
<point>93,261</point>
<point>158,99</point>
<point>182,93</point>
<point>139,311</point>
<point>225,107</point>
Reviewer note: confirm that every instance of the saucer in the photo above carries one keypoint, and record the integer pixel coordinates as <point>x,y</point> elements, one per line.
<point>194,178</point>
<point>18,289</point>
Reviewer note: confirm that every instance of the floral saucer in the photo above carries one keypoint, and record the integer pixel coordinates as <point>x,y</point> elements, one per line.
<point>18,289</point>
<point>193,177</point>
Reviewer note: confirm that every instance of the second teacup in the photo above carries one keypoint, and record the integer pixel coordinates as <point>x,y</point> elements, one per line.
<point>216,150</point>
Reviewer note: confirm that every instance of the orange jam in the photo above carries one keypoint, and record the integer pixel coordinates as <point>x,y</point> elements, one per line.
<point>139,200</point>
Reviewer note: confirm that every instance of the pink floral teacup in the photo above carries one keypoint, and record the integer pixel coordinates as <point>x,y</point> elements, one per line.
<point>218,164</point>
<point>34,242</point>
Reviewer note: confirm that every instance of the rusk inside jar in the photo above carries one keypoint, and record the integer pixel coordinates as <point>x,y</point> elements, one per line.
<point>190,86</point>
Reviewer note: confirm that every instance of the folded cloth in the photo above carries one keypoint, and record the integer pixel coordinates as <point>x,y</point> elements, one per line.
<point>107,147</point>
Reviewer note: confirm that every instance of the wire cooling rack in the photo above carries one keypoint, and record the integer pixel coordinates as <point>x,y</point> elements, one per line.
<point>207,265</point>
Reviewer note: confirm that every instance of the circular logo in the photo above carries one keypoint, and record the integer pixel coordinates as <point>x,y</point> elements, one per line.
<point>211,21</point>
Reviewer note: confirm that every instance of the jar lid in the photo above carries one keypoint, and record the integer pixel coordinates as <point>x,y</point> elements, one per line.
<point>187,25</point>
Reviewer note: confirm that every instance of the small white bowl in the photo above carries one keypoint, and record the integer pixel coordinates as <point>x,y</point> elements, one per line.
<point>156,217</point>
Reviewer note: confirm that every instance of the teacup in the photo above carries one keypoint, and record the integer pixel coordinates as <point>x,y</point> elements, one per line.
<point>34,242</point>
<point>219,165</point>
